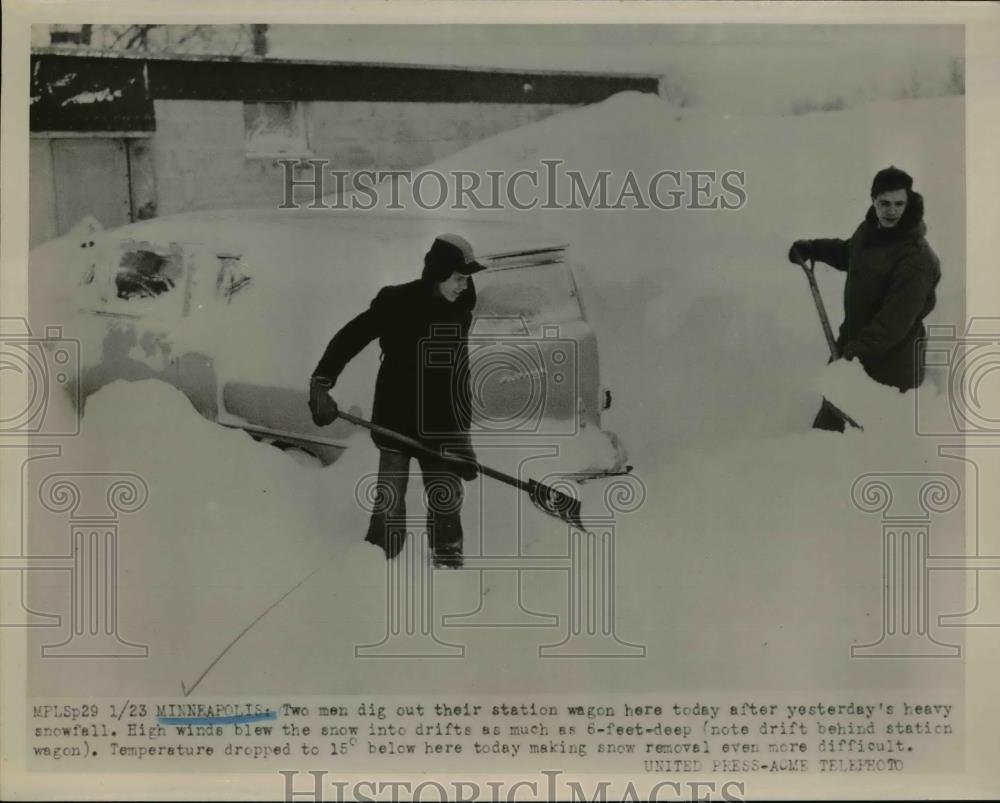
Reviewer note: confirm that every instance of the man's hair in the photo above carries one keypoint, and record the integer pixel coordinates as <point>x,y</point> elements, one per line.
<point>891,178</point>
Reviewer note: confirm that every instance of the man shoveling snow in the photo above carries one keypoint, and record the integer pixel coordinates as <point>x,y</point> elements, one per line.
<point>891,276</point>
<point>430,407</point>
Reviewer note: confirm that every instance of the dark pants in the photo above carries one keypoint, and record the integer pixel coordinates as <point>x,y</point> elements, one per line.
<point>443,493</point>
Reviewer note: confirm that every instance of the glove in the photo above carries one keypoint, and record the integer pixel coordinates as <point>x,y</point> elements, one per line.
<point>322,406</point>
<point>800,251</point>
<point>463,460</point>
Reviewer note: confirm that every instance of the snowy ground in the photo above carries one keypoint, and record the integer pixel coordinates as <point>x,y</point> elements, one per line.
<point>747,566</point>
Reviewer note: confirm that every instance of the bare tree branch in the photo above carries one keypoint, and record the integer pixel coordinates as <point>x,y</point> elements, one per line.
<point>120,35</point>
<point>223,39</point>
<point>140,37</point>
<point>195,31</point>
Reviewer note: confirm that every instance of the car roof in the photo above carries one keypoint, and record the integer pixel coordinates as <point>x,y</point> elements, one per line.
<point>491,237</point>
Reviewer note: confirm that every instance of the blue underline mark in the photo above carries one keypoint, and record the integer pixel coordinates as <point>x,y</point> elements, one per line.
<point>238,719</point>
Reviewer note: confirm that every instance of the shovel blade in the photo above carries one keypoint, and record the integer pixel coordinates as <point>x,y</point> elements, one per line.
<point>842,415</point>
<point>556,503</point>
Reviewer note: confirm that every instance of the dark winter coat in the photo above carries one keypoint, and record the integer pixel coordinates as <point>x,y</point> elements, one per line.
<point>891,277</point>
<point>422,389</point>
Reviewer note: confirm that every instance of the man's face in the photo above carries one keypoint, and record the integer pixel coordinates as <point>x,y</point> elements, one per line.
<point>452,287</point>
<point>889,207</point>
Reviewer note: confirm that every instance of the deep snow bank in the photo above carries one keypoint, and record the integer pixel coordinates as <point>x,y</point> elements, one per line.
<point>723,559</point>
<point>747,545</point>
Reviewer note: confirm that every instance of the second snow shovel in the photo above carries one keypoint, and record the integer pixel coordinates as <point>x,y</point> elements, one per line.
<point>546,498</point>
<point>810,271</point>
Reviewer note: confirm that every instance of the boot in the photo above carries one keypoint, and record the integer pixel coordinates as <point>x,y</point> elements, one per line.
<point>391,541</point>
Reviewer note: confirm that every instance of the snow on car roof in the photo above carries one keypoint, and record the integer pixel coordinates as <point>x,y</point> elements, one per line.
<point>351,229</point>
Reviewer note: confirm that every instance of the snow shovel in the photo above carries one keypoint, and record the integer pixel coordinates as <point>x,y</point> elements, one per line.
<point>546,498</point>
<point>831,342</point>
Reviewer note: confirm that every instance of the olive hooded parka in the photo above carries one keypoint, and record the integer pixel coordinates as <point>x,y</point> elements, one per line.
<point>892,274</point>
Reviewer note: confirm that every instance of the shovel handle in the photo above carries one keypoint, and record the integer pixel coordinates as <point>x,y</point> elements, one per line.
<point>567,509</point>
<point>810,271</point>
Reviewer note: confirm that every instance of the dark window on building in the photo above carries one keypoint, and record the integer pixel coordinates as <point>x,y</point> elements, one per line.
<point>274,129</point>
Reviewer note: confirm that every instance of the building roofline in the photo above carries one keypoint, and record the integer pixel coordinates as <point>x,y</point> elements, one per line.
<point>78,52</point>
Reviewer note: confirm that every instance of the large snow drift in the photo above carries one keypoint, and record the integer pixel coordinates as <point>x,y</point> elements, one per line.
<point>704,325</point>
<point>747,550</point>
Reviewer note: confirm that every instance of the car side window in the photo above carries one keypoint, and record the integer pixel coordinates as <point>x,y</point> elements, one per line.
<point>146,274</point>
<point>232,276</point>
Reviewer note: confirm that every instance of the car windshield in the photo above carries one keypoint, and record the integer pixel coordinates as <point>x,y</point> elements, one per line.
<point>540,293</point>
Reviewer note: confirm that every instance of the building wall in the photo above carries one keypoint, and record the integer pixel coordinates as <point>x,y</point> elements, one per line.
<point>42,223</point>
<point>107,178</point>
<point>179,122</point>
<point>200,159</point>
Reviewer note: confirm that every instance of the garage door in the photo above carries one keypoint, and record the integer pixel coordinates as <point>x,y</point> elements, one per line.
<point>91,178</point>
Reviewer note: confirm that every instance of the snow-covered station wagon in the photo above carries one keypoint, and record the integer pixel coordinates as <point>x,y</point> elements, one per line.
<point>235,307</point>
